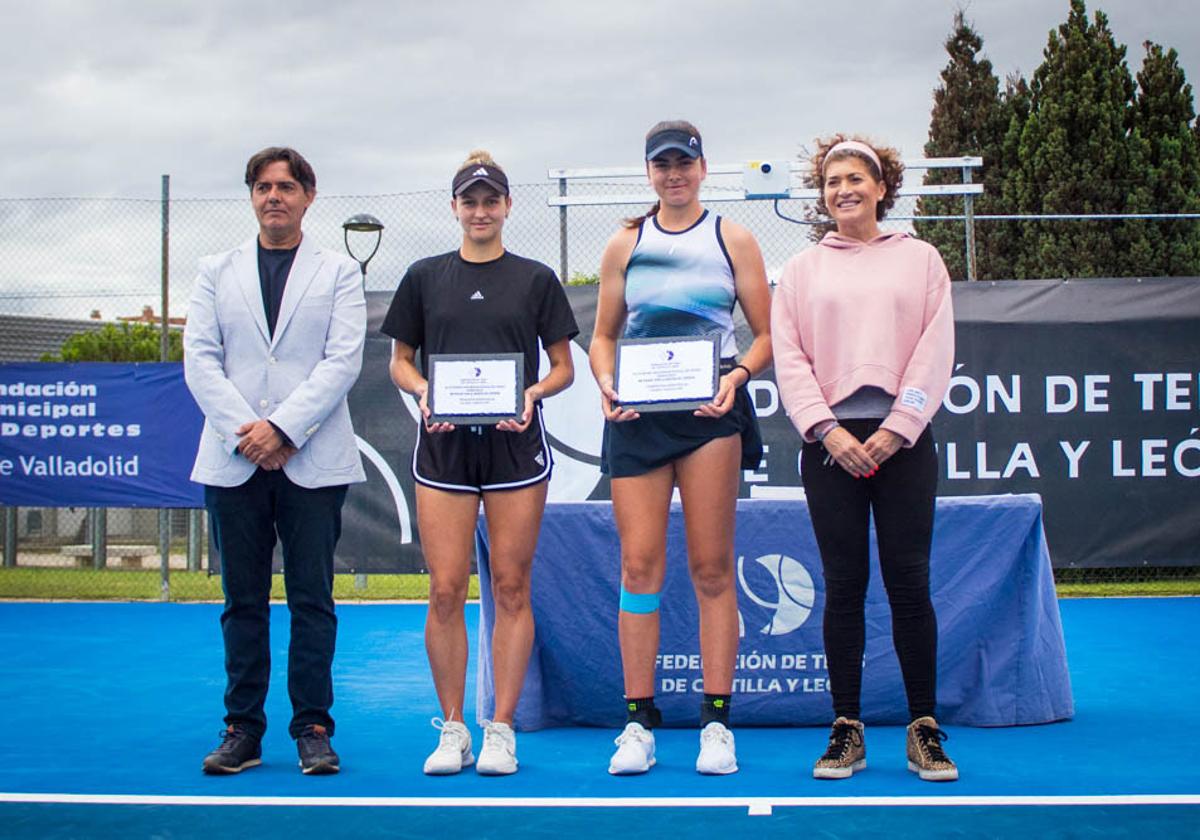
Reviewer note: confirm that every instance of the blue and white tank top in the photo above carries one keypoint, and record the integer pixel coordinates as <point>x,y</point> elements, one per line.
<point>681,284</point>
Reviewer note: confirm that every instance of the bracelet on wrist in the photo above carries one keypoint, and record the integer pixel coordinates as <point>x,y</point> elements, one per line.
<point>749,375</point>
<point>821,433</point>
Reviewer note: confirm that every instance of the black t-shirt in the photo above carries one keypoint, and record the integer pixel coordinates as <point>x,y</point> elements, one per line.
<point>445,304</point>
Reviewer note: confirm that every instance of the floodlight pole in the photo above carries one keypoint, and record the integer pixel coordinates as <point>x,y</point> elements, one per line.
<point>562,232</point>
<point>165,341</point>
<point>164,515</point>
<point>10,536</point>
<point>969,212</point>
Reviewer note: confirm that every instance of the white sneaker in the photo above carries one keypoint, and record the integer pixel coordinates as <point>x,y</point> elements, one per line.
<point>635,751</point>
<point>453,751</point>
<point>498,757</point>
<point>717,757</point>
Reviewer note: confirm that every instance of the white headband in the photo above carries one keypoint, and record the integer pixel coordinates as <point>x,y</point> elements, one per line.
<point>853,146</point>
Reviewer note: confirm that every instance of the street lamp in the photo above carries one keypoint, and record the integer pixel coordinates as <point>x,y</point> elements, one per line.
<point>363,223</point>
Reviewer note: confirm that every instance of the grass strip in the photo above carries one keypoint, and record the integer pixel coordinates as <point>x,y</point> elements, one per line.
<point>61,584</point>
<point>1135,589</point>
<point>146,585</point>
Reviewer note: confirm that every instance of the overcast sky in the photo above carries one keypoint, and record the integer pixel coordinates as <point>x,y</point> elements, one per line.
<point>101,98</point>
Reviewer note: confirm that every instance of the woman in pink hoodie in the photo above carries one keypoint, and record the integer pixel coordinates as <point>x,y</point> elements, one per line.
<point>863,333</point>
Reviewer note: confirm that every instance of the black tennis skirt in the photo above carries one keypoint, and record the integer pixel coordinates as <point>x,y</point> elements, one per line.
<point>636,447</point>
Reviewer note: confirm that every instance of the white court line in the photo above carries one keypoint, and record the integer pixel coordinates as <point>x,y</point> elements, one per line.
<point>755,805</point>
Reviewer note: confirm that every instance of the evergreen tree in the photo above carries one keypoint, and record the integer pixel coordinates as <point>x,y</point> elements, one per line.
<point>1077,155</point>
<point>1162,118</point>
<point>1007,236</point>
<point>968,118</point>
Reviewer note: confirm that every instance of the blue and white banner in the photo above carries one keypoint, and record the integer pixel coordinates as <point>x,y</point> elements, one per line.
<point>1001,656</point>
<point>97,435</point>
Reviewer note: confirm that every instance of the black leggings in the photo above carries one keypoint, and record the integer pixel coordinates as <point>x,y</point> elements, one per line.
<point>901,496</point>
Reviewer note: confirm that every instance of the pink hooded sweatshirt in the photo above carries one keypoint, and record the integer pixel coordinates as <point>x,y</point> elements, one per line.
<point>848,313</point>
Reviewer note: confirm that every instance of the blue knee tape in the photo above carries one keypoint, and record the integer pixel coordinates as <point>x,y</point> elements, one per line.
<point>640,603</point>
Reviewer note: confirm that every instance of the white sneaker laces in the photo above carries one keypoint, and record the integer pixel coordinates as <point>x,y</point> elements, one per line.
<point>716,733</point>
<point>451,736</point>
<point>499,735</point>
<point>633,732</point>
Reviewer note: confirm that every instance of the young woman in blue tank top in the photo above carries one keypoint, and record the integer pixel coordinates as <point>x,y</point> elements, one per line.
<point>676,272</point>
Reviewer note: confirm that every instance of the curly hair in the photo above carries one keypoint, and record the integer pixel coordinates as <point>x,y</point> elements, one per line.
<point>892,175</point>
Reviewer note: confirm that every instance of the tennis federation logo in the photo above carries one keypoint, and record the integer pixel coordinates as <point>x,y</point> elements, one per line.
<point>793,598</point>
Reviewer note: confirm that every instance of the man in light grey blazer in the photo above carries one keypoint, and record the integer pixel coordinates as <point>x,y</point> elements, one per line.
<point>273,344</point>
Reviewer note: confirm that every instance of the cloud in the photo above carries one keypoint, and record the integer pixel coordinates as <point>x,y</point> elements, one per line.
<point>101,99</point>
<point>387,97</point>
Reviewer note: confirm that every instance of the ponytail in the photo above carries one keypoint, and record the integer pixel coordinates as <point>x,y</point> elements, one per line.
<point>477,157</point>
<point>634,222</point>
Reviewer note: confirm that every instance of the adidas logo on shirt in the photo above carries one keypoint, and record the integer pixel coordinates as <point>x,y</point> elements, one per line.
<point>477,296</point>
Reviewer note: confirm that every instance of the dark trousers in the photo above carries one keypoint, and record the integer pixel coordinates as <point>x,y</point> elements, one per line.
<point>245,521</point>
<point>901,497</point>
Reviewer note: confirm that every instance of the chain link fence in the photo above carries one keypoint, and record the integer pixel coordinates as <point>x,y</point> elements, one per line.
<point>73,264</point>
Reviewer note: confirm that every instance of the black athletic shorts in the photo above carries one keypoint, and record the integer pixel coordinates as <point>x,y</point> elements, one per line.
<point>636,447</point>
<point>475,459</point>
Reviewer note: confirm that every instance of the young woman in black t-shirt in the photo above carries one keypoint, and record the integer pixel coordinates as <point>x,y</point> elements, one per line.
<point>480,299</point>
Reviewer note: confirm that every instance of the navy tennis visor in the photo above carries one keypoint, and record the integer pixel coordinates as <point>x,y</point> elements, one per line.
<point>673,138</point>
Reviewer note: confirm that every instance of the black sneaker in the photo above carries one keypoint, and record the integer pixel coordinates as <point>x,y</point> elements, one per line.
<point>317,757</point>
<point>239,750</point>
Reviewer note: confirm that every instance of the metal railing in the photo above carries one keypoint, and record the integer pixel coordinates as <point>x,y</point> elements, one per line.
<point>727,190</point>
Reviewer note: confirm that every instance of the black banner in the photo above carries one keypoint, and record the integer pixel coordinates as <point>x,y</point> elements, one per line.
<point>1087,392</point>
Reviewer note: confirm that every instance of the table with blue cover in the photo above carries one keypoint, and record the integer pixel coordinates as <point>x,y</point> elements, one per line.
<point>1001,656</point>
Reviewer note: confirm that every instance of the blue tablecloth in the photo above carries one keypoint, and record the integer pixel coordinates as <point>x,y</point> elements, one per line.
<point>1001,657</point>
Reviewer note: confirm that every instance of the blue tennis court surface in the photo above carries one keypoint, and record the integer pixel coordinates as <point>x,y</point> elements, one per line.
<point>111,707</point>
